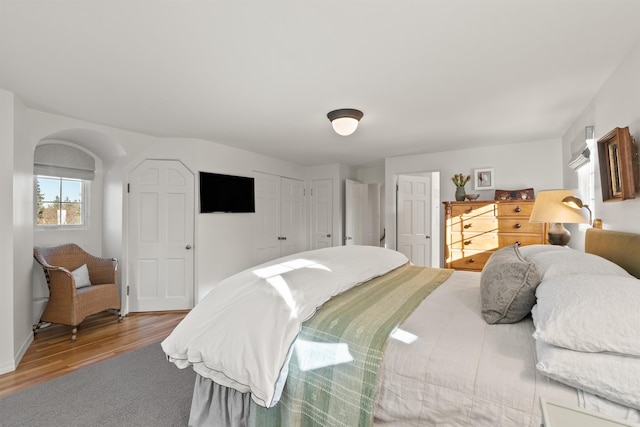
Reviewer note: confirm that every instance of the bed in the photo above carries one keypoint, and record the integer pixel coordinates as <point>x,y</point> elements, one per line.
<point>458,348</point>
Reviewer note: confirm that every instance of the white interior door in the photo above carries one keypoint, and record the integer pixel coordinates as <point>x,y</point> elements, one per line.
<point>292,216</point>
<point>414,218</point>
<point>321,213</point>
<point>267,217</point>
<point>161,232</point>
<point>355,200</point>
<point>372,216</point>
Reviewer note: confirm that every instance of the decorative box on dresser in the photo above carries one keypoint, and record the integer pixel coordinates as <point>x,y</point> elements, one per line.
<point>476,229</point>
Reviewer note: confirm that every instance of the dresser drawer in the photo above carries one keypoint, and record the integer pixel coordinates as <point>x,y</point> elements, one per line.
<point>473,210</point>
<point>480,224</point>
<point>483,241</point>
<point>487,241</point>
<point>468,259</point>
<point>519,225</point>
<point>508,239</point>
<point>517,209</point>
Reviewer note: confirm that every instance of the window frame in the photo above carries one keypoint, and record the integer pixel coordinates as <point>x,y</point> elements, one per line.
<point>586,183</point>
<point>84,204</point>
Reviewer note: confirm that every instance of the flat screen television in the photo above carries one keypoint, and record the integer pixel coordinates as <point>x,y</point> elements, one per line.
<point>226,193</point>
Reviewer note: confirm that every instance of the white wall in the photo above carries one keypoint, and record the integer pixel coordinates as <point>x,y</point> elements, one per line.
<point>535,164</point>
<point>16,252</point>
<point>7,302</point>
<point>224,243</point>
<point>22,229</point>
<point>371,174</point>
<point>617,104</point>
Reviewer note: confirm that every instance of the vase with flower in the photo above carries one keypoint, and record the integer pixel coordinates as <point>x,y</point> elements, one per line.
<point>460,181</point>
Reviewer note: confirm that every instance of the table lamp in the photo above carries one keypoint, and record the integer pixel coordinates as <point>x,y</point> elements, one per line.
<point>550,207</point>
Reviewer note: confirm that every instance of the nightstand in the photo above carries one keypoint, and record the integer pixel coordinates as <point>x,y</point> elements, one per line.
<point>561,415</point>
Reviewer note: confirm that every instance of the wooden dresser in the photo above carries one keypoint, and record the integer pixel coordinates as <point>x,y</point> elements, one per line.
<point>475,229</point>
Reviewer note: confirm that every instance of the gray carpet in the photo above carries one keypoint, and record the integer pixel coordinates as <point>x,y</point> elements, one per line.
<point>139,388</point>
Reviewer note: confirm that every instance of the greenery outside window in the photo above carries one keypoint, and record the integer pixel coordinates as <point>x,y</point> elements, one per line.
<point>60,201</point>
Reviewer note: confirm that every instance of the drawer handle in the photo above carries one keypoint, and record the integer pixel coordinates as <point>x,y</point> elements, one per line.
<point>518,209</point>
<point>471,260</point>
<point>518,225</point>
<point>467,242</point>
<point>468,225</point>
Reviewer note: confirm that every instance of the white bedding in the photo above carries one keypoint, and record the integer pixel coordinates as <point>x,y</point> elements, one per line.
<point>445,366</point>
<point>240,334</point>
<point>460,371</point>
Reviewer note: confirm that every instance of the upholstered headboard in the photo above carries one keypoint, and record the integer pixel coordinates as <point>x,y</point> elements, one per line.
<point>617,246</point>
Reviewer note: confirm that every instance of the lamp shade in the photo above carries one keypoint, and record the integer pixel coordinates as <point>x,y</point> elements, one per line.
<point>345,121</point>
<point>549,207</point>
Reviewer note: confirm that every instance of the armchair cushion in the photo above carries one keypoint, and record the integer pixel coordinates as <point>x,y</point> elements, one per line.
<point>81,276</point>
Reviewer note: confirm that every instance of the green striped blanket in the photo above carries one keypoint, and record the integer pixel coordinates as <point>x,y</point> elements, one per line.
<point>334,367</point>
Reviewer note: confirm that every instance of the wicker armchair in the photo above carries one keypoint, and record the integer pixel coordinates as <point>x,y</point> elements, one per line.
<point>67,304</point>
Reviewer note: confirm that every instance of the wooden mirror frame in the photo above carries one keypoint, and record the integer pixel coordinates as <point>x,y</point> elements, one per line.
<point>618,158</point>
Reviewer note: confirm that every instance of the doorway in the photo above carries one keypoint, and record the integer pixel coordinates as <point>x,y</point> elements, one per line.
<point>363,213</point>
<point>417,218</point>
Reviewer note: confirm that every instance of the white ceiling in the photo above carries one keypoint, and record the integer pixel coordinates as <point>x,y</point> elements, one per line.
<point>261,75</point>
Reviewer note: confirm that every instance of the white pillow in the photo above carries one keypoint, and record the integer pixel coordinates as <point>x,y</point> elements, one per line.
<point>589,313</point>
<point>612,376</point>
<point>81,274</point>
<point>567,261</point>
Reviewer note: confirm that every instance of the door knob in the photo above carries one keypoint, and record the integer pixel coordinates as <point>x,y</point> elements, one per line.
<point>427,237</point>
<point>187,247</point>
<point>328,235</point>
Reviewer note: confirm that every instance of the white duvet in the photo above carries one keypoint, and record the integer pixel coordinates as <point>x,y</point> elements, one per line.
<point>240,334</point>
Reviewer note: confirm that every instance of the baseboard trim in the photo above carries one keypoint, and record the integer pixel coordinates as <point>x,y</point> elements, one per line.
<point>11,366</point>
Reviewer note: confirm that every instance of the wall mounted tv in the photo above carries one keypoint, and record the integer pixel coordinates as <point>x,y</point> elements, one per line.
<point>226,193</point>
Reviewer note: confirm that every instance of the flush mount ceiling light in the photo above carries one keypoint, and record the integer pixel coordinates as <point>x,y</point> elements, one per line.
<point>345,120</point>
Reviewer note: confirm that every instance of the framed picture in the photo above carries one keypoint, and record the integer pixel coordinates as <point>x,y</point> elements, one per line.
<point>618,160</point>
<point>483,179</point>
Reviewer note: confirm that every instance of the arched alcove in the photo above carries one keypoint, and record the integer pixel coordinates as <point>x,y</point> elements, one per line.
<point>102,232</point>
<point>103,146</point>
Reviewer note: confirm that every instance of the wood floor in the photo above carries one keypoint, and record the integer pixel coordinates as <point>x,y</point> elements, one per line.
<point>100,337</point>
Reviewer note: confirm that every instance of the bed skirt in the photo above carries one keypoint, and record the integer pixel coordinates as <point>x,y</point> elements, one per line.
<point>212,401</point>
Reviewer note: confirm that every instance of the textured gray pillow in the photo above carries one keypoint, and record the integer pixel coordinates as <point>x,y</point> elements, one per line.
<point>508,286</point>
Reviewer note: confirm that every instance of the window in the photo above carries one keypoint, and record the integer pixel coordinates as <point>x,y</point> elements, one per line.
<point>586,183</point>
<point>60,201</point>
<point>62,181</point>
